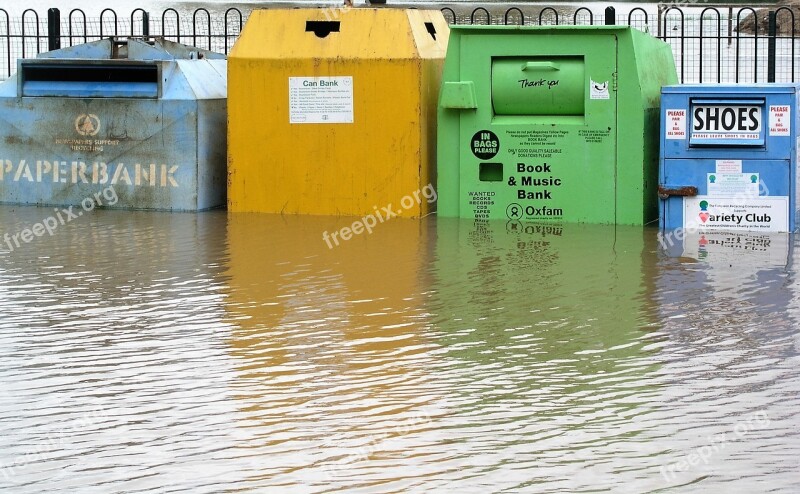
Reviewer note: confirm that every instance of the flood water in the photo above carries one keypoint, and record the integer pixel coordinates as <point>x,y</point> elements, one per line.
<point>155,352</point>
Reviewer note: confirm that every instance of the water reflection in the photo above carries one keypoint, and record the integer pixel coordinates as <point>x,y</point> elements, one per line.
<point>589,285</point>
<point>548,326</point>
<point>730,357</point>
<point>729,282</point>
<point>215,352</point>
<point>113,362</point>
<point>335,368</point>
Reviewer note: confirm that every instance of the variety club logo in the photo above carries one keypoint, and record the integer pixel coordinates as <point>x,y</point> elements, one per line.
<point>87,124</point>
<point>703,211</point>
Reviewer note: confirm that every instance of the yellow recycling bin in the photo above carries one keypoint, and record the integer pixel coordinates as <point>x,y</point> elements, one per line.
<point>334,113</point>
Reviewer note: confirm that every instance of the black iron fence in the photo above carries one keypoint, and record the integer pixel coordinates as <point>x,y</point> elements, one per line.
<point>710,43</point>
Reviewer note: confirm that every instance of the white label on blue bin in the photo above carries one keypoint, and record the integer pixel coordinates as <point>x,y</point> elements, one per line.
<point>765,214</point>
<point>741,185</point>
<point>779,120</point>
<point>675,125</point>
<point>321,100</point>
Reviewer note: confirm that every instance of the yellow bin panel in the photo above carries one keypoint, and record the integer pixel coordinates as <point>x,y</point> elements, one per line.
<point>334,115</point>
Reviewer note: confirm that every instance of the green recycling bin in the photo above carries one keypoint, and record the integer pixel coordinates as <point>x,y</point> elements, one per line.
<point>553,124</point>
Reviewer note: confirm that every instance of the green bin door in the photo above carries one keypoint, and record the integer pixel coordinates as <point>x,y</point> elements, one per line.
<point>539,141</point>
<point>538,86</point>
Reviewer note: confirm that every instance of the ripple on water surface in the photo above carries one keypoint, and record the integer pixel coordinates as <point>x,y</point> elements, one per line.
<point>151,352</point>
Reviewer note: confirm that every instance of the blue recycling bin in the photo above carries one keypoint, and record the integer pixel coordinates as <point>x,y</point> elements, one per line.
<point>728,158</point>
<point>146,119</point>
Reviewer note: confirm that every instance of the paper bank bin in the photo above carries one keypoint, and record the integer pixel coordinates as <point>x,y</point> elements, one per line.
<point>146,118</point>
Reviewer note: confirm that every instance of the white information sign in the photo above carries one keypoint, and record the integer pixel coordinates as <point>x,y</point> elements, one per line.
<point>598,90</point>
<point>726,122</point>
<point>315,100</point>
<point>765,214</point>
<point>779,120</point>
<point>675,126</point>
<point>741,185</point>
<point>729,166</point>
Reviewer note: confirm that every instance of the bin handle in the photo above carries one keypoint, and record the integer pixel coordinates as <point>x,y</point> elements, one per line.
<point>665,191</point>
<point>541,66</point>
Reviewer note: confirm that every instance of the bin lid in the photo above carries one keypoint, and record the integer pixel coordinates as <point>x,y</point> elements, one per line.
<point>132,49</point>
<point>185,72</point>
<point>738,89</point>
<point>352,33</point>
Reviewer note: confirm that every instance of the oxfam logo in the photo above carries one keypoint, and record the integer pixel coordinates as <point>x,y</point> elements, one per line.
<point>87,124</point>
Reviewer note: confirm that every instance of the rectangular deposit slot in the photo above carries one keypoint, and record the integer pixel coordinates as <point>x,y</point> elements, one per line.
<point>727,122</point>
<point>71,79</point>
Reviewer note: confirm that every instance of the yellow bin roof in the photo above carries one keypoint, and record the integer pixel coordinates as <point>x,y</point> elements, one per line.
<point>363,33</point>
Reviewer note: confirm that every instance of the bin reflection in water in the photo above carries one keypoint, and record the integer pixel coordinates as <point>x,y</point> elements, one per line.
<point>727,271</point>
<point>583,284</point>
<point>726,302</point>
<point>553,322</point>
<point>333,368</point>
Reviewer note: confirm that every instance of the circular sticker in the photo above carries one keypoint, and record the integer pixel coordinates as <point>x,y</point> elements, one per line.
<point>485,144</point>
<point>514,211</point>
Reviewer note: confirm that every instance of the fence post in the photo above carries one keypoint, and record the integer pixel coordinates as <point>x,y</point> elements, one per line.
<point>772,31</point>
<point>53,29</point>
<point>145,25</point>
<point>611,16</point>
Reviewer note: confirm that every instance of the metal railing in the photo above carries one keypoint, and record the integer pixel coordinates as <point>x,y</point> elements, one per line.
<point>709,44</point>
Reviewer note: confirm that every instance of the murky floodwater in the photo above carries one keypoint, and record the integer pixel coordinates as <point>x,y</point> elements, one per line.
<point>152,352</point>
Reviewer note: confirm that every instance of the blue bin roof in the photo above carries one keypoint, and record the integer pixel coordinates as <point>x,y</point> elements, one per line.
<point>156,69</point>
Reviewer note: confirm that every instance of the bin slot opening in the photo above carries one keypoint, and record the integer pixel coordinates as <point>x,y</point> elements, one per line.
<point>431,29</point>
<point>90,80</point>
<point>727,122</point>
<point>321,29</point>
<point>540,66</point>
<point>539,86</point>
<point>490,172</point>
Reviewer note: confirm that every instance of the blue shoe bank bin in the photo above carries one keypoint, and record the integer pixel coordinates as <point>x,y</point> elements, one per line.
<point>729,157</point>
